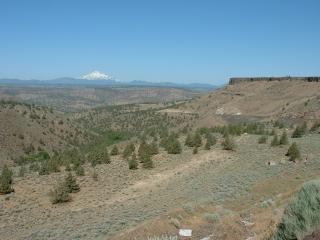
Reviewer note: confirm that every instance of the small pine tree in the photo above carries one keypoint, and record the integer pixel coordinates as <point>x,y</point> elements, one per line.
<point>228,143</point>
<point>188,142</point>
<point>207,146</point>
<point>79,170</point>
<point>114,151</point>
<point>197,140</point>
<point>59,194</point>
<point>298,132</point>
<point>71,184</point>
<point>293,152</point>
<point>129,149</point>
<point>147,162</point>
<point>6,181</point>
<point>173,146</point>
<point>22,171</point>
<point>95,175</point>
<point>195,150</point>
<point>275,141</point>
<point>133,164</point>
<point>153,148</point>
<point>284,139</point>
<point>262,139</point>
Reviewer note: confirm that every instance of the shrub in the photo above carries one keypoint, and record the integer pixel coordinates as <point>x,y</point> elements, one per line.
<point>275,141</point>
<point>228,143</point>
<point>129,149</point>
<point>262,139</point>
<point>147,161</point>
<point>193,140</point>
<point>195,150</point>
<point>315,126</point>
<point>59,194</point>
<point>133,164</point>
<point>302,216</point>
<point>6,181</point>
<point>173,145</point>
<point>79,170</point>
<point>293,152</point>
<point>211,140</point>
<point>284,139</point>
<point>95,175</point>
<point>114,151</point>
<point>212,217</point>
<point>71,184</point>
<point>299,131</point>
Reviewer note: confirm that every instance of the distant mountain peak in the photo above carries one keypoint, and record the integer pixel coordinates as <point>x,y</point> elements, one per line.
<point>97,75</point>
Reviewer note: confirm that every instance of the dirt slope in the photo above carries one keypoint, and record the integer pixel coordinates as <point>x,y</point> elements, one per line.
<point>292,101</point>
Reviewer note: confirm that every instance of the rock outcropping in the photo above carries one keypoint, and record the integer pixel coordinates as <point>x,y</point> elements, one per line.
<point>254,79</point>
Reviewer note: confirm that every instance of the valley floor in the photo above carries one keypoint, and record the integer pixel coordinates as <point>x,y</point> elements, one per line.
<point>117,205</point>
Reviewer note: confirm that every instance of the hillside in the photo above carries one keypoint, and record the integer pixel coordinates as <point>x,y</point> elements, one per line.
<point>76,98</point>
<point>289,101</point>
<point>25,129</point>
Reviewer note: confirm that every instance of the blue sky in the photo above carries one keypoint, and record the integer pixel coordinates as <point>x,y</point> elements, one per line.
<point>179,41</point>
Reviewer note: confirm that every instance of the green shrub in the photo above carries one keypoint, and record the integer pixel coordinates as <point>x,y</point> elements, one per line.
<point>6,180</point>
<point>275,141</point>
<point>129,149</point>
<point>70,183</point>
<point>114,151</point>
<point>300,131</point>
<point>194,140</point>
<point>173,145</point>
<point>302,216</point>
<point>293,152</point>
<point>283,139</point>
<point>146,161</point>
<point>315,126</point>
<point>79,170</point>
<point>212,217</point>
<point>59,194</point>
<point>195,150</point>
<point>133,164</point>
<point>228,143</point>
<point>262,139</point>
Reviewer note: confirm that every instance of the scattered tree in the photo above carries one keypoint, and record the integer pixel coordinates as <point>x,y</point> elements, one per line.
<point>262,139</point>
<point>59,194</point>
<point>284,139</point>
<point>71,184</point>
<point>228,143</point>
<point>133,164</point>
<point>6,181</point>
<point>275,141</point>
<point>114,151</point>
<point>293,152</point>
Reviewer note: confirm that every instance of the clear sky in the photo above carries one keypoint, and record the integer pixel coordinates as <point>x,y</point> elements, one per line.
<point>159,40</point>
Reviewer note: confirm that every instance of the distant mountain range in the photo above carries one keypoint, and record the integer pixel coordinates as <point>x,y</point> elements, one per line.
<point>107,82</point>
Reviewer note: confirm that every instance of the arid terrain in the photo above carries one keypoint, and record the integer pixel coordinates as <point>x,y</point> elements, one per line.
<point>233,190</point>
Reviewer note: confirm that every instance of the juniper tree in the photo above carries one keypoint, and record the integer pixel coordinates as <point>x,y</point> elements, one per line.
<point>262,139</point>
<point>71,184</point>
<point>59,194</point>
<point>129,149</point>
<point>275,141</point>
<point>284,139</point>
<point>114,151</point>
<point>133,164</point>
<point>293,152</point>
<point>173,145</point>
<point>228,143</point>
<point>6,180</point>
<point>147,162</point>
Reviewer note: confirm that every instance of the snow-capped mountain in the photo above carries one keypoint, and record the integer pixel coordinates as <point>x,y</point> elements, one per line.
<point>96,75</point>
